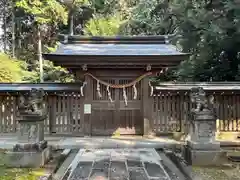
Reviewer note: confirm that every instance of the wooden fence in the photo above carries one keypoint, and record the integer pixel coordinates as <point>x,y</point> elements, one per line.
<point>170,112</point>
<point>63,117</point>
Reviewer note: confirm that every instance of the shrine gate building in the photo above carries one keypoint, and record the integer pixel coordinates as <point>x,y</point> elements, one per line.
<point>116,91</point>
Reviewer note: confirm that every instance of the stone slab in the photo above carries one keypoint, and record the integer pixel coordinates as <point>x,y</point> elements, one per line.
<point>27,159</point>
<point>118,170</point>
<point>30,147</point>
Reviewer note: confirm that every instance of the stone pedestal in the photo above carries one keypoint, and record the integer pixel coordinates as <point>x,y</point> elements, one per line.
<point>201,147</point>
<point>146,127</point>
<point>147,131</point>
<point>31,131</point>
<point>31,150</point>
<point>27,159</point>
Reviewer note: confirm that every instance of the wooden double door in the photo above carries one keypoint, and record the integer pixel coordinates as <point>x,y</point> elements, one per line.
<point>116,117</point>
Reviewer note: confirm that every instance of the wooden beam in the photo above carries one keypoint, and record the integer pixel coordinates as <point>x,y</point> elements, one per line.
<point>115,67</point>
<point>95,59</point>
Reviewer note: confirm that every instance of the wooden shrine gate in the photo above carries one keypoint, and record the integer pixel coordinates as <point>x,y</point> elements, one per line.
<point>116,60</point>
<point>109,117</point>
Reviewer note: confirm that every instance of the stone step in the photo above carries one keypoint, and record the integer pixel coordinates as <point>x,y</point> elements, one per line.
<point>125,164</point>
<point>233,154</point>
<point>110,143</point>
<point>63,168</point>
<point>173,171</point>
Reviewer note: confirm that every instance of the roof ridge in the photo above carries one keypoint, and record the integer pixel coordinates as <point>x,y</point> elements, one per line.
<point>77,39</point>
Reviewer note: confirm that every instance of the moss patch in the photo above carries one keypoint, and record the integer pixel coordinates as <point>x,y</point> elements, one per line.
<point>18,173</point>
<point>217,173</point>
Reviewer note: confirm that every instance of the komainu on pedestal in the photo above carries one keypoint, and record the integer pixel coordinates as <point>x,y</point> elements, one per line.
<point>31,149</point>
<point>202,147</point>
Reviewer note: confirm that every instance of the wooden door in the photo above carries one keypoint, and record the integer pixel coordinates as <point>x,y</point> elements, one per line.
<point>109,117</point>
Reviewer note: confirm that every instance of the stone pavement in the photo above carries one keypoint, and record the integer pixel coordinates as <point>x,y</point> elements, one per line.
<point>108,142</point>
<point>116,164</point>
<point>7,141</point>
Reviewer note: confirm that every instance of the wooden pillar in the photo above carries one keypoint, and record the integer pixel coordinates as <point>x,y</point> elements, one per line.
<point>117,115</point>
<point>147,105</point>
<point>86,99</point>
<point>88,96</point>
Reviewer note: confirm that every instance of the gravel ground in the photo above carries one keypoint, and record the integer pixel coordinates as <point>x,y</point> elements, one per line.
<point>217,173</point>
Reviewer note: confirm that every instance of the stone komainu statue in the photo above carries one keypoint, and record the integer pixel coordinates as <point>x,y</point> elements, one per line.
<point>32,103</point>
<point>200,99</point>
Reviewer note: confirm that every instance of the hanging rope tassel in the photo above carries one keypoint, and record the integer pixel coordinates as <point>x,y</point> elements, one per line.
<point>98,90</point>
<point>109,94</point>
<point>125,96</point>
<point>81,88</point>
<point>151,91</point>
<point>135,92</point>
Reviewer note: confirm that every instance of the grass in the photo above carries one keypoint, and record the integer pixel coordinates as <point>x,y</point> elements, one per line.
<point>19,173</point>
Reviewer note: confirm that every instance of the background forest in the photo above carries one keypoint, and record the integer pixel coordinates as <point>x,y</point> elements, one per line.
<point>208,29</point>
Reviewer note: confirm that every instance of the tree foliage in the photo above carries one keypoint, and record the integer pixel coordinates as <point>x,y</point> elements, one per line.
<point>12,70</point>
<point>44,11</point>
<point>152,17</point>
<point>103,26</point>
<point>209,30</point>
<point>44,16</point>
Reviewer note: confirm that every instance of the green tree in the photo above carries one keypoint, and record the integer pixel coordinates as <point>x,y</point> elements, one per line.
<point>103,26</point>
<point>44,12</point>
<point>153,17</point>
<point>12,70</point>
<point>210,31</point>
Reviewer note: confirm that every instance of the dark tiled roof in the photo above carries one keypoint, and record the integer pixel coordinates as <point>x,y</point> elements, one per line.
<point>117,49</point>
<point>75,51</point>
<point>211,86</point>
<point>75,87</point>
<point>116,46</point>
<point>48,87</point>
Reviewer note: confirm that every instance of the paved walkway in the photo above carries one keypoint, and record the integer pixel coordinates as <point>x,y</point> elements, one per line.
<point>115,164</point>
<point>7,141</point>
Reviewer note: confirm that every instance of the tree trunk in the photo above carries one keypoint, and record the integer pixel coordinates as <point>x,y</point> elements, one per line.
<point>70,22</point>
<point>13,29</point>
<point>40,54</point>
<point>5,26</point>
